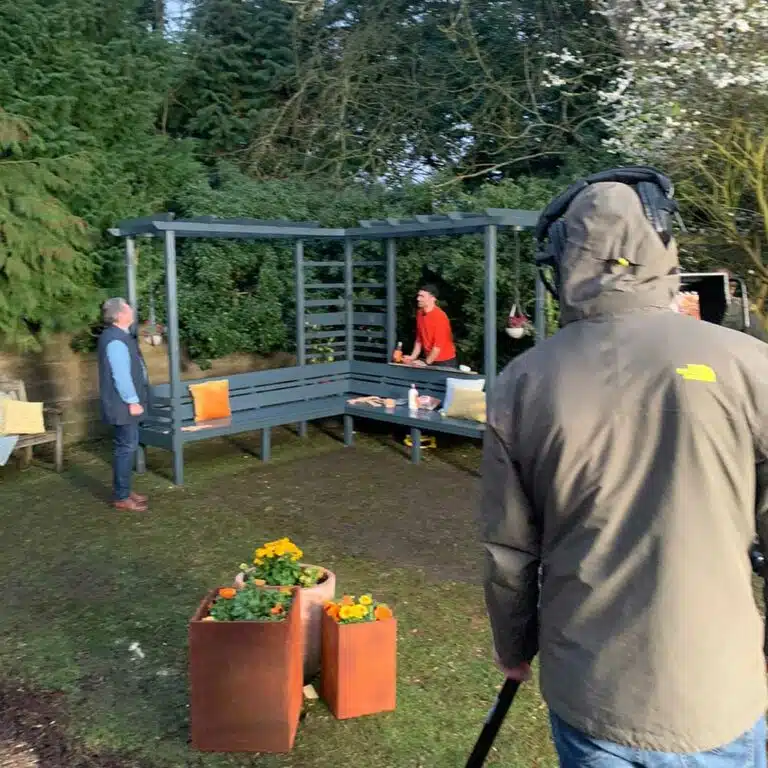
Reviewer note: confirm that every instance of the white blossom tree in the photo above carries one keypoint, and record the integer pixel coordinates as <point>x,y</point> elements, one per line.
<point>690,95</point>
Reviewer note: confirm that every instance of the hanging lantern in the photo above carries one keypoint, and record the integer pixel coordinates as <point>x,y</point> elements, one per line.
<point>517,324</point>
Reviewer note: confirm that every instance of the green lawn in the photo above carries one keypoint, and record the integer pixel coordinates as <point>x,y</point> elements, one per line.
<point>82,584</point>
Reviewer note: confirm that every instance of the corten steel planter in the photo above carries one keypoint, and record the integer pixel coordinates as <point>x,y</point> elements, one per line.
<point>358,673</point>
<point>312,601</point>
<point>245,682</point>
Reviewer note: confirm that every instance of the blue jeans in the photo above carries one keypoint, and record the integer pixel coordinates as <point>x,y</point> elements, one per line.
<point>577,750</point>
<point>126,445</point>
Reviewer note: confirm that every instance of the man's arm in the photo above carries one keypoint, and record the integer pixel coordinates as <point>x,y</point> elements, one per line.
<point>416,351</point>
<point>432,356</point>
<point>511,537</point>
<point>119,359</point>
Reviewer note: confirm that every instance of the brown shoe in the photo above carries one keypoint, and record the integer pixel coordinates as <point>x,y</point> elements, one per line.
<point>129,505</point>
<point>139,499</point>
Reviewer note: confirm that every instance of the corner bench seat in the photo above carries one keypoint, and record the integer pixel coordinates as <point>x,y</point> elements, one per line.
<point>261,400</point>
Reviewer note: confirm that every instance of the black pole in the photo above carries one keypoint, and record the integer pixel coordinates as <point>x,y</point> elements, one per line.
<point>493,723</point>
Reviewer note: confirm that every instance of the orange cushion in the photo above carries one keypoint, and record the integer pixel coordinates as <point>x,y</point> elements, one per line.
<point>211,400</point>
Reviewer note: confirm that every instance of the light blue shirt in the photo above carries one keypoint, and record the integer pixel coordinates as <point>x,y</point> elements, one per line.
<point>120,364</point>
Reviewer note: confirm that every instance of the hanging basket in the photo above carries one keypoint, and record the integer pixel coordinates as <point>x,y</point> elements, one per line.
<point>518,324</point>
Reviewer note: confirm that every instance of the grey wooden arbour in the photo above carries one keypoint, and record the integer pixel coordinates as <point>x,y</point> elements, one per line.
<point>356,319</point>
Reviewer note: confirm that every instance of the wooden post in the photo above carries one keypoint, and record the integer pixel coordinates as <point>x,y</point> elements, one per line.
<point>174,359</point>
<point>301,346</point>
<point>391,257</point>
<point>490,306</point>
<point>349,298</point>
<point>130,277</point>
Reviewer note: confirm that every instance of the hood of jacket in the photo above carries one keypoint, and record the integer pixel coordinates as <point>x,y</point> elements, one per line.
<point>613,260</point>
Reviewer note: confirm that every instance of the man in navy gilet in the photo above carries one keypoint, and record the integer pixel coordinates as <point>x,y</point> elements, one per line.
<point>124,393</point>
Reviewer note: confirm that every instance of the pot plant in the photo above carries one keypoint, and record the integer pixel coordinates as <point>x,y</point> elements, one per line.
<point>359,662</point>
<point>278,564</point>
<point>245,670</point>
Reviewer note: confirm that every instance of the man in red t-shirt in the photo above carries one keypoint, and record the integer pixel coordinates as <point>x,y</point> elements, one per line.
<point>433,332</point>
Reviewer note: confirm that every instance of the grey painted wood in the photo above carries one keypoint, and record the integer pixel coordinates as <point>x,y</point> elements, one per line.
<point>266,444</point>
<point>349,430</point>
<point>415,445</point>
<point>428,421</point>
<point>298,265</point>
<point>141,460</point>
<point>174,354</point>
<point>301,323</point>
<point>254,229</point>
<point>490,306</point>
<point>130,278</point>
<point>290,375</point>
<point>390,251</point>
<point>349,298</point>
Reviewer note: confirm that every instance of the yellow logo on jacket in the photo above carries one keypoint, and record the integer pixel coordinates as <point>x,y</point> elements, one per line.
<point>697,372</point>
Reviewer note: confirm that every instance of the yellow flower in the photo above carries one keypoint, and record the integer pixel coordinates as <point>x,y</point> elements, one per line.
<point>346,612</point>
<point>260,582</point>
<point>285,591</point>
<point>361,611</point>
<point>258,561</point>
<point>208,618</point>
<point>260,552</point>
<point>366,600</point>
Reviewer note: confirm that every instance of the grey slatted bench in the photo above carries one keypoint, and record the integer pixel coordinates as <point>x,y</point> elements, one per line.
<point>262,400</point>
<point>393,381</point>
<point>259,401</point>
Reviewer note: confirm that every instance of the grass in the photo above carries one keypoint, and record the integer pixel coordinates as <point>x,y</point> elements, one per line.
<point>82,584</point>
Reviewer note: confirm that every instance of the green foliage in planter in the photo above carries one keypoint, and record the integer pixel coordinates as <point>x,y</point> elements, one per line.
<point>252,603</point>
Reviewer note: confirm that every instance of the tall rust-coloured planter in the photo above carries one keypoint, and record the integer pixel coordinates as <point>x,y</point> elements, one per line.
<point>358,674</point>
<point>245,681</point>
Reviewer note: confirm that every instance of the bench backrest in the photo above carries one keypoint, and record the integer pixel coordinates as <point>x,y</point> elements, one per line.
<point>385,380</point>
<point>263,389</point>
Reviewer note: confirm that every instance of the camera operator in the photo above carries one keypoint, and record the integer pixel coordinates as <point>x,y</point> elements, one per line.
<point>622,460</point>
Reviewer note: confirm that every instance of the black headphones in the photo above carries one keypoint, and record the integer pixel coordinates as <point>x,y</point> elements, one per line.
<point>656,193</point>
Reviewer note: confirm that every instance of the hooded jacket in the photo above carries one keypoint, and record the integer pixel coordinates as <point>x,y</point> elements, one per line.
<point>622,462</point>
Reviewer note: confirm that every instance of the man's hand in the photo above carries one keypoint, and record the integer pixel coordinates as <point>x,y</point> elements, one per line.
<point>521,673</point>
<point>135,409</point>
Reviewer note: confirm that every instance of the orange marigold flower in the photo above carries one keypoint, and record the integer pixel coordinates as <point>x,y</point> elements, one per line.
<point>332,610</point>
<point>347,600</point>
<point>227,592</point>
<point>276,610</point>
<point>382,612</point>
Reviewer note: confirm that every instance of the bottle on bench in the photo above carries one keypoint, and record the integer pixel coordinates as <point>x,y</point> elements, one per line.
<point>397,355</point>
<point>413,399</point>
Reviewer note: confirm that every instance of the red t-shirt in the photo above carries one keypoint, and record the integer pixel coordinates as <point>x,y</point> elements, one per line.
<point>433,329</point>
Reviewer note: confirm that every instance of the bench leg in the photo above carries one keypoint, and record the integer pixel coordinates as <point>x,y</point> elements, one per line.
<point>58,450</point>
<point>301,428</point>
<point>178,463</point>
<point>349,430</point>
<point>141,460</point>
<point>26,458</point>
<point>266,444</point>
<point>415,445</point>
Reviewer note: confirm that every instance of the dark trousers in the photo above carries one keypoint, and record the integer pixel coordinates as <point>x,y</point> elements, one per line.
<point>452,363</point>
<point>125,447</point>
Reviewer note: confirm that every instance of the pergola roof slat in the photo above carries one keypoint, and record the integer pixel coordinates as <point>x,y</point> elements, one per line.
<point>454,222</point>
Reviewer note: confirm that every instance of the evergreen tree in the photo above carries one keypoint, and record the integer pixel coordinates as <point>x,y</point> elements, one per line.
<point>239,60</point>
<point>45,271</point>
